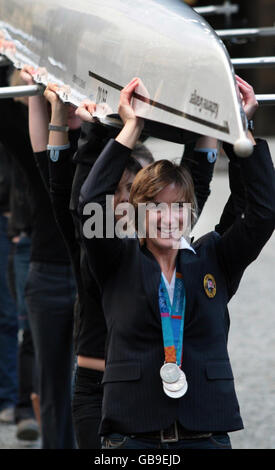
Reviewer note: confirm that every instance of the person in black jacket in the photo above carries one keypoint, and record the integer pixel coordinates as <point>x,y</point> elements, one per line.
<point>50,289</point>
<point>149,402</point>
<point>90,329</point>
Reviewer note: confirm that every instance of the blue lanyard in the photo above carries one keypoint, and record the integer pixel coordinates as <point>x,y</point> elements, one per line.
<point>172,319</point>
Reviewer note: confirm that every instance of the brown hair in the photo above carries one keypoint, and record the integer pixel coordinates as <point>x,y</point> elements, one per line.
<point>155,177</point>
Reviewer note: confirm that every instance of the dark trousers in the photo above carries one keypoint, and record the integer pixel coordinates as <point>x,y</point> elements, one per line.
<point>21,263</point>
<point>19,268</point>
<point>8,326</point>
<point>50,296</point>
<point>119,441</point>
<point>26,377</point>
<point>87,403</point>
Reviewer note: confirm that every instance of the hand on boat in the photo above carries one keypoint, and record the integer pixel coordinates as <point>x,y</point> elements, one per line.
<point>7,46</point>
<point>250,104</point>
<point>59,109</point>
<point>27,74</point>
<point>86,110</point>
<point>57,95</point>
<point>31,75</point>
<point>63,113</point>
<point>133,125</point>
<point>125,108</point>
<point>51,93</point>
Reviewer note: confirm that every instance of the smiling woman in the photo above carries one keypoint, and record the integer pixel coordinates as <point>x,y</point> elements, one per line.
<point>167,186</point>
<point>168,381</point>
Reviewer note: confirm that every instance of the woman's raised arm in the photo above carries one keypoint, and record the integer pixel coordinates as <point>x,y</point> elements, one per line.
<point>241,244</point>
<point>95,208</point>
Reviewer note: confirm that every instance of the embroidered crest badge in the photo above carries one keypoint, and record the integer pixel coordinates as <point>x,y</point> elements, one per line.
<point>209,285</point>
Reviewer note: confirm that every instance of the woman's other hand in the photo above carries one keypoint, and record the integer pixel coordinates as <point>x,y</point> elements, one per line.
<point>125,108</point>
<point>86,110</point>
<point>133,125</point>
<point>250,104</point>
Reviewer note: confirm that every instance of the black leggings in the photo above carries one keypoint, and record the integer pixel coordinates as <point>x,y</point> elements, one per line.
<point>87,403</point>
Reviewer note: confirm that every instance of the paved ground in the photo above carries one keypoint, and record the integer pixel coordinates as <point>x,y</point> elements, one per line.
<point>252,334</point>
<point>9,441</point>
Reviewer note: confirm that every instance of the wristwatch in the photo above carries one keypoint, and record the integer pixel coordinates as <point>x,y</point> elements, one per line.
<point>58,128</point>
<point>250,125</point>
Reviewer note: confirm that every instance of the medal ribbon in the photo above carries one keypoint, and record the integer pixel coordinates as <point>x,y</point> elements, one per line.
<point>172,319</point>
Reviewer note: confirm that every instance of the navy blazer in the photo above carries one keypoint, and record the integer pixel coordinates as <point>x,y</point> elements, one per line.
<point>129,277</point>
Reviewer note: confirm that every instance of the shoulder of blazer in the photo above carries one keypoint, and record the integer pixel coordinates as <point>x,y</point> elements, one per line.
<point>207,240</point>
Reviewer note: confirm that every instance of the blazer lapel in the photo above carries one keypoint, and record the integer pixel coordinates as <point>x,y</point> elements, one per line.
<point>151,273</point>
<point>188,268</point>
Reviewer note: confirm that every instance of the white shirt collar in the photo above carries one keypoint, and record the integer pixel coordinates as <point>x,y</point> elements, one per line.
<point>185,245</point>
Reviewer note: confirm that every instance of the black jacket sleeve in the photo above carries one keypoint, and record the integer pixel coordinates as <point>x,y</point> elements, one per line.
<point>201,171</point>
<point>102,181</point>
<point>243,241</point>
<point>60,184</point>
<point>235,205</point>
<point>65,184</point>
<point>93,138</point>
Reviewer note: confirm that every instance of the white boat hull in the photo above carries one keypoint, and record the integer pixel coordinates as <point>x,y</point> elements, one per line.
<point>98,46</point>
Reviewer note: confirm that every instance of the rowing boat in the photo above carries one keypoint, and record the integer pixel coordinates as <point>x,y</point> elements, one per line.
<point>97,46</point>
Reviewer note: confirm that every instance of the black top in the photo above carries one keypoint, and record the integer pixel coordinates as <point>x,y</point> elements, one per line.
<point>47,243</point>
<point>129,278</point>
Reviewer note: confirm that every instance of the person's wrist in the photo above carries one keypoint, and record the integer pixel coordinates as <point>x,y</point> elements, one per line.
<point>130,132</point>
<point>59,117</point>
<point>251,137</point>
<point>134,123</point>
<point>59,108</point>
<point>251,110</point>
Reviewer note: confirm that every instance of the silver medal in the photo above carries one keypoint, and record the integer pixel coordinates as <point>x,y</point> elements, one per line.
<point>177,394</point>
<point>176,386</point>
<point>170,372</point>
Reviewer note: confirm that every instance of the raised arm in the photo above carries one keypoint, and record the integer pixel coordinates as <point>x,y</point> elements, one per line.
<point>38,114</point>
<point>243,241</point>
<point>235,205</point>
<point>38,117</point>
<point>93,138</point>
<point>102,181</point>
<point>200,157</point>
<point>59,158</point>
